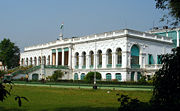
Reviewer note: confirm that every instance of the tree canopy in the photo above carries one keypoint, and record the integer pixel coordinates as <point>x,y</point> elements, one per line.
<point>9,54</point>
<point>166,82</point>
<point>90,76</point>
<point>173,6</point>
<point>57,74</point>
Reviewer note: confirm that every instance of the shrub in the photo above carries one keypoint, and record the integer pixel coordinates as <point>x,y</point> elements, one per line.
<point>90,76</point>
<point>57,74</point>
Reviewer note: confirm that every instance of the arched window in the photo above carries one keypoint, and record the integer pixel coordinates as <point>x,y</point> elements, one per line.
<point>109,58</point>
<point>82,76</point>
<point>27,61</point>
<point>132,76</point>
<point>84,60</point>
<point>31,61</point>
<point>35,61</point>
<point>138,75</point>
<point>77,60</point>
<point>48,60</point>
<point>44,60</point>
<point>108,76</point>
<point>39,61</point>
<point>99,58</point>
<point>91,55</point>
<point>119,57</point>
<point>118,76</point>
<point>75,76</point>
<point>22,61</point>
<point>135,56</point>
<point>35,76</point>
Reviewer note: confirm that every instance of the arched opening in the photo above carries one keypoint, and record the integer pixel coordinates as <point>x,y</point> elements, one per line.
<point>118,76</point>
<point>99,58</point>
<point>109,58</point>
<point>22,61</point>
<point>44,60</point>
<point>35,61</point>
<point>39,60</point>
<point>82,76</point>
<point>91,54</point>
<point>139,75</point>
<point>135,57</point>
<point>132,76</point>
<point>76,60</point>
<point>48,60</point>
<point>27,61</point>
<point>31,61</point>
<point>84,60</point>
<point>75,76</point>
<point>108,76</point>
<point>119,57</point>
<point>35,76</point>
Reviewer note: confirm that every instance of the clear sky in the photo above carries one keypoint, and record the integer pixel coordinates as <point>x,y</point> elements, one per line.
<point>31,22</point>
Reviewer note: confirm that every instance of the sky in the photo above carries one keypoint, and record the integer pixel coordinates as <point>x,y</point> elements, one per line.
<point>32,22</point>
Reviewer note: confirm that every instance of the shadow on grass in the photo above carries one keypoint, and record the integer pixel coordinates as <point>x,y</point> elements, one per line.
<point>11,109</point>
<point>85,109</point>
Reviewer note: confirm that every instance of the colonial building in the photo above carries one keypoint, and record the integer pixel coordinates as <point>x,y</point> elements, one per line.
<point>123,55</point>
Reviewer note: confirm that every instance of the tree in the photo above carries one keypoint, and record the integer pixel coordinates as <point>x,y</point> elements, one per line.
<point>9,54</point>
<point>57,74</point>
<point>166,93</point>
<point>173,7</point>
<point>90,76</point>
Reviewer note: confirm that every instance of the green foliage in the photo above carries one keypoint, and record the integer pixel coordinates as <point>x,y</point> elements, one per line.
<point>57,74</point>
<point>18,98</point>
<point>3,92</point>
<point>166,93</point>
<point>129,104</point>
<point>142,80</point>
<point>90,76</point>
<point>173,7</point>
<point>9,54</point>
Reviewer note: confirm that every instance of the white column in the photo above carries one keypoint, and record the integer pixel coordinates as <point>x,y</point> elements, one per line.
<point>56,57</point>
<point>177,38</point>
<point>125,59</point>
<point>51,59</point>
<point>113,60</point>
<point>94,61</point>
<point>103,60</point>
<point>87,62</point>
<point>62,56</point>
<point>70,57</point>
<point>80,61</point>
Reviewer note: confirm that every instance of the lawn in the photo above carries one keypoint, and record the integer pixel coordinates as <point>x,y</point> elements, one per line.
<point>68,99</point>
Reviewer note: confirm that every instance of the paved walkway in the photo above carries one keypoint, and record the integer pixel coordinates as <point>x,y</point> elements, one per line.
<point>90,87</point>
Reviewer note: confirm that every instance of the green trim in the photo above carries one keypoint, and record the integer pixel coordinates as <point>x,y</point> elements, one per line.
<point>76,67</point>
<point>76,76</point>
<point>99,66</point>
<point>66,49</point>
<point>108,77</point>
<point>118,76</point>
<point>109,65</point>
<point>91,66</point>
<point>82,76</point>
<point>83,67</point>
<point>118,65</point>
<point>53,50</point>
<point>59,50</point>
<point>136,66</point>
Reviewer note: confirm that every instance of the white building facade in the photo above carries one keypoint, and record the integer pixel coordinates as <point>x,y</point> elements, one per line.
<point>124,55</point>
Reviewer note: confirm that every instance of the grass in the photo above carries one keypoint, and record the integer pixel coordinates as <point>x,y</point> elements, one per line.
<point>67,99</point>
